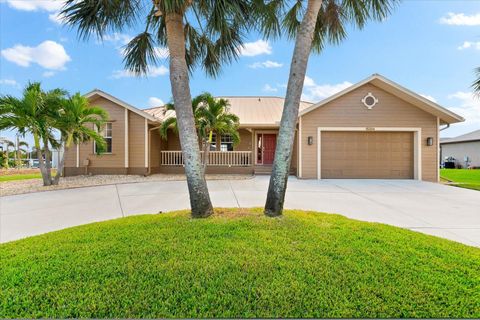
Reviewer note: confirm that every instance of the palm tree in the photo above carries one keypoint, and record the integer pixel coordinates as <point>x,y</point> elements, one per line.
<point>18,152</point>
<point>311,26</point>
<point>476,84</point>
<point>6,153</point>
<point>78,122</point>
<point>211,117</point>
<point>32,115</point>
<point>202,32</point>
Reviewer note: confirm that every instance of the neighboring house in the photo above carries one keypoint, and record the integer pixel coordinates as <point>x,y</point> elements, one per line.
<point>373,129</point>
<point>465,149</point>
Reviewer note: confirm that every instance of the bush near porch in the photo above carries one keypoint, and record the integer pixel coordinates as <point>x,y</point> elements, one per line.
<point>238,263</point>
<point>465,178</point>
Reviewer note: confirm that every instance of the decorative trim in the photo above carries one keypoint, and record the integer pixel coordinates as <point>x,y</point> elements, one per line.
<point>146,143</point>
<point>126,138</point>
<point>417,145</point>
<point>369,106</point>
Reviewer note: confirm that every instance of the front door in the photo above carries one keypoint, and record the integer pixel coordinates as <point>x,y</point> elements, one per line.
<point>269,143</point>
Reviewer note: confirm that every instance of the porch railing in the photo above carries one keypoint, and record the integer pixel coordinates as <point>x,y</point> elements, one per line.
<point>215,158</point>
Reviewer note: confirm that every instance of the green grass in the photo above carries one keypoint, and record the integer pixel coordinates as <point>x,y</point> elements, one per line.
<point>465,178</point>
<point>26,176</point>
<point>238,264</point>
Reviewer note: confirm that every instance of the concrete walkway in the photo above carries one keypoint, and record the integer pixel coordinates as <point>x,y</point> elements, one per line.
<point>431,208</point>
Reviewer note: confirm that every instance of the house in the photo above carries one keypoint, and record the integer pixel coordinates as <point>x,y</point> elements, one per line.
<point>373,129</point>
<point>465,149</point>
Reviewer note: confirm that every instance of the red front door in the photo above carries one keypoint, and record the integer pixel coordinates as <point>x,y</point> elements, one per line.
<point>269,143</point>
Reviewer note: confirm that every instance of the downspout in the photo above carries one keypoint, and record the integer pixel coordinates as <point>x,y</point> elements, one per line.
<point>149,170</point>
<point>447,126</point>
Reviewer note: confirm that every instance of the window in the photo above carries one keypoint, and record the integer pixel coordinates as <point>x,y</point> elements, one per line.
<point>107,135</point>
<point>226,143</point>
<point>213,145</point>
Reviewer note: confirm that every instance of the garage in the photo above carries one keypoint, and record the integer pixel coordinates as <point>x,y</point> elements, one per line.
<point>367,155</point>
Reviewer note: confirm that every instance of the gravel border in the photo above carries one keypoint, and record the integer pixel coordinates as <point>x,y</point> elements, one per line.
<point>9,188</point>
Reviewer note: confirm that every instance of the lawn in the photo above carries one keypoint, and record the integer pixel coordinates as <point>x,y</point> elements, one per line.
<point>25,176</point>
<point>465,178</point>
<point>238,263</point>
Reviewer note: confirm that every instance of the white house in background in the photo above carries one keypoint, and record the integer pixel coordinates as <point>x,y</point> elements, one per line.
<point>465,149</point>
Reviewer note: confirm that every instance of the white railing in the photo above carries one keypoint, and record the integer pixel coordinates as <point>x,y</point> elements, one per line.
<point>215,158</point>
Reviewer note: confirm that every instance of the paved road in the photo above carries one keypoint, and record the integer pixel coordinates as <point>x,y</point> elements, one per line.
<point>431,208</point>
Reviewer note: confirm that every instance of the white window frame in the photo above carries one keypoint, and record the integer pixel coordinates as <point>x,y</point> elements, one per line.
<point>104,131</point>
<point>222,143</point>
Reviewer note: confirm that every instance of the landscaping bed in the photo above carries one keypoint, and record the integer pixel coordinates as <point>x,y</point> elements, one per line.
<point>238,263</point>
<point>36,185</point>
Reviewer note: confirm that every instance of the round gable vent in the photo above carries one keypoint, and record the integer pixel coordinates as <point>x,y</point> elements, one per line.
<point>369,101</point>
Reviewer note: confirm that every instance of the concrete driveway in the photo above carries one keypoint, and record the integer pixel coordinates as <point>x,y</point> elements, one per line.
<point>431,208</point>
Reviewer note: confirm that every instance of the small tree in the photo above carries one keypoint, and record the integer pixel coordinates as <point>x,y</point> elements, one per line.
<point>78,122</point>
<point>211,117</point>
<point>32,114</point>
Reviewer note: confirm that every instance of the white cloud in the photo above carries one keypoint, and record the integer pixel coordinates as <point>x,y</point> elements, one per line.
<point>48,54</point>
<point>461,19</point>
<point>56,17</point>
<point>316,92</point>
<point>9,82</point>
<point>251,49</point>
<point>426,96</point>
<point>155,102</point>
<point>468,106</point>
<point>269,88</point>
<point>266,64</point>
<point>48,74</point>
<point>152,72</point>
<point>469,44</point>
<point>34,5</point>
<point>116,38</point>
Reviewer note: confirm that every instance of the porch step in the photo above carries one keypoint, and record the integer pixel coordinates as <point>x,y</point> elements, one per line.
<point>263,170</point>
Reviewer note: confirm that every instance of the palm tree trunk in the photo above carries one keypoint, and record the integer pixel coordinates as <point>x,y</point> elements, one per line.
<point>61,164</point>
<point>48,163</point>
<point>41,163</point>
<point>286,134</point>
<point>197,186</point>
<point>206,153</point>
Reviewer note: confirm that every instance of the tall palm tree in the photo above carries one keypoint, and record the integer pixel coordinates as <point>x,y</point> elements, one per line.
<point>78,122</point>
<point>321,21</point>
<point>32,115</point>
<point>211,117</point>
<point>201,32</point>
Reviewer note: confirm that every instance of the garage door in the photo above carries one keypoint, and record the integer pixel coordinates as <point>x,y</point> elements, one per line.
<point>366,155</point>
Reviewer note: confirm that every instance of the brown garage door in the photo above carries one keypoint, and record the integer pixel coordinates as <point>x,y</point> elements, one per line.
<point>366,155</point>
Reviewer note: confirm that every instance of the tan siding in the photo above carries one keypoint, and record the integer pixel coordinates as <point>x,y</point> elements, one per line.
<point>245,141</point>
<point>136,137</point>
<point>116,158</point>
<point>155,145</point>
<point>349,111</point>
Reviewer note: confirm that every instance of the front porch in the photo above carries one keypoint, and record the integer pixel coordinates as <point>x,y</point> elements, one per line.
<point>253,155</point>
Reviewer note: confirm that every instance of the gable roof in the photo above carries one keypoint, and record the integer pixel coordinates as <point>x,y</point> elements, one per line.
<point>258,111</point>
<point>445,115</point>
<point>471,136</point>
<point>100,93</point>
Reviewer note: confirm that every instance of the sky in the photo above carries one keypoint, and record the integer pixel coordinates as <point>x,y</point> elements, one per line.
<point>430,47</point>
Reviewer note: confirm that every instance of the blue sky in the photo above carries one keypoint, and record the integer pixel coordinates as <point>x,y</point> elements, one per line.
<point>430,47</point>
